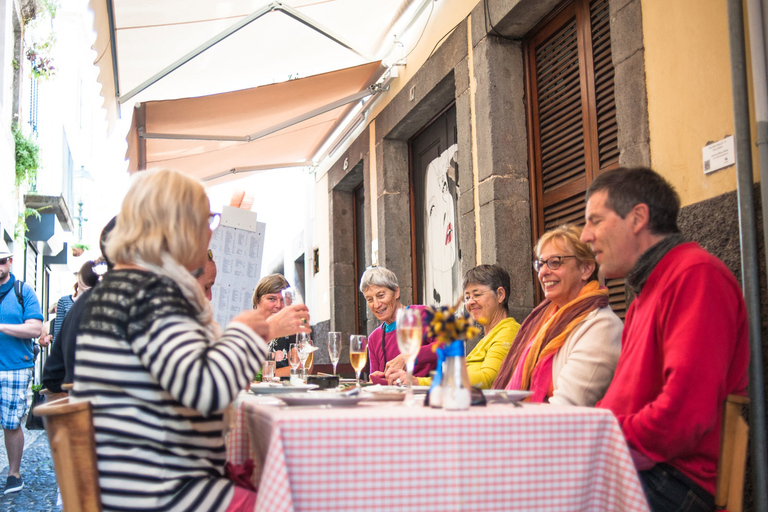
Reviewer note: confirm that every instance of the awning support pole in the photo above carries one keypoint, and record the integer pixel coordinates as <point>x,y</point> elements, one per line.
<point>749,259</point>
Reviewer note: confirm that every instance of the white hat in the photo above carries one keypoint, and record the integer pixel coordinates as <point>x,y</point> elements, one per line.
<point>4,252</point>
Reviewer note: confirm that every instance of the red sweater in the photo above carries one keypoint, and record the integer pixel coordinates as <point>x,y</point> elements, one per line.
<point>685,347</point>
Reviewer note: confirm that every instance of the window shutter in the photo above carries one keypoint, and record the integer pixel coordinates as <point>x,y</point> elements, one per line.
<point>571,116</point>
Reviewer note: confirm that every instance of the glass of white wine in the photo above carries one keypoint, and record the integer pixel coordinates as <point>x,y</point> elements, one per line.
<point>290,297</point>
<point>306,351</point>
<point>295,361</point>
<point>358,354</point>
<point>409,337</point>
<point>334,348</point>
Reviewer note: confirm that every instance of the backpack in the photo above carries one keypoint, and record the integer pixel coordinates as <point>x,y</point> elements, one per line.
<point>18,287</point>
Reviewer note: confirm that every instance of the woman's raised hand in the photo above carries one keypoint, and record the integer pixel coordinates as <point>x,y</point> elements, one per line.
<point>289,320</point>
<point>255,321</point>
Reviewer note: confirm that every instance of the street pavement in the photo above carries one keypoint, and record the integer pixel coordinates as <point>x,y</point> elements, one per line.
<point>40,492</point>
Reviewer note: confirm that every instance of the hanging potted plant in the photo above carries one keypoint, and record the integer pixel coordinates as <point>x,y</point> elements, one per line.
<point>78,249</point>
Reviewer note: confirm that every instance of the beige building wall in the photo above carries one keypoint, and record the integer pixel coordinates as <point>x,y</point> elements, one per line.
<point>690,102</point>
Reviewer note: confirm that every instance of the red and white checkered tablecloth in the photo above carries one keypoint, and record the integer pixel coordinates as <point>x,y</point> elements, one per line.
<point>390,457</point>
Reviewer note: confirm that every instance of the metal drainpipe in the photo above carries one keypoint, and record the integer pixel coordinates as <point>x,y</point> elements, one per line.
<point>749,258</point>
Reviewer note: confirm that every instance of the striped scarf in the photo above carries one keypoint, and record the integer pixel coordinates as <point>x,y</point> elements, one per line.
<point>542,334</point>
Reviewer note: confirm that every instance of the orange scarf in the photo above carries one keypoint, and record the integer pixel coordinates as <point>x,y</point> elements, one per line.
<point>546,344</point>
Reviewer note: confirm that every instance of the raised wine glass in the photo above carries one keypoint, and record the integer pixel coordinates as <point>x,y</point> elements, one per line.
<point>358,354</point>
<point>409,341</point>
<point>334,348</point>
<point>290,296</point>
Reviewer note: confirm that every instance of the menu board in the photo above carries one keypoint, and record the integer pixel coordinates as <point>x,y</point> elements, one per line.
<point>237,246</point>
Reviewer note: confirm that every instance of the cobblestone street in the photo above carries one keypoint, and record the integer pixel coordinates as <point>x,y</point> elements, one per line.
<point>39,492</point>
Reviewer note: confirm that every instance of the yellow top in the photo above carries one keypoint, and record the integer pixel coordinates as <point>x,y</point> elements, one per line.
<point>484,362</point>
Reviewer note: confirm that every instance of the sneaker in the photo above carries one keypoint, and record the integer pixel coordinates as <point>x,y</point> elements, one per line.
<point>13,485</point>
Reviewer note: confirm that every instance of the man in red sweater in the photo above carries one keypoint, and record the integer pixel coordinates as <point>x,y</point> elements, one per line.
<point>685,341</point>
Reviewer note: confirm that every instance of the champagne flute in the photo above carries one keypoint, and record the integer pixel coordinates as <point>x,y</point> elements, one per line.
<point>290,296</point>
<point>409,341</point>
<point>293,358</point>
<point>358,354</point>
<point>334,348</point>
<point>306,350</point>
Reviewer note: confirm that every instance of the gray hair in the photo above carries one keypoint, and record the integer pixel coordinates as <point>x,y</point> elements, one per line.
<point>378,276</point>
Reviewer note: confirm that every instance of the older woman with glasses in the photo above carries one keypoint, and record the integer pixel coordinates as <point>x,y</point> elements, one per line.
<point>156,367</point>
<point>486,294</point>
<point>566,350</point>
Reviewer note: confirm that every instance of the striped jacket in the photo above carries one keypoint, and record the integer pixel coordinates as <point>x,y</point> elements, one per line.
<point>158,385</point>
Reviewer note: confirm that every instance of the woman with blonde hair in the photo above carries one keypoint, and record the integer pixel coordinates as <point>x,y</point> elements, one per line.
<point>153,363</point>
<point>567,348</point>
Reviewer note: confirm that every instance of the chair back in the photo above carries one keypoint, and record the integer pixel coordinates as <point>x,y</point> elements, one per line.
<point>70,432</point>
<point>734,434</point>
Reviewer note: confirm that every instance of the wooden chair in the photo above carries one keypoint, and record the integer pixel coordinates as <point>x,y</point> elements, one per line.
<point>729,491</point>
<point>70,432</point>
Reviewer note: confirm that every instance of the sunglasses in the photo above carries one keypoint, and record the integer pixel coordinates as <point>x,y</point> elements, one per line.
<point>3,261</point>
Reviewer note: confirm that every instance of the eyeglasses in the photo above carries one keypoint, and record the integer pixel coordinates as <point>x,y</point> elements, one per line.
<point>553,263</point>
<point>214,219</point>
<point>475,296</point>
<point>3,261</point>
<point>210,255</point>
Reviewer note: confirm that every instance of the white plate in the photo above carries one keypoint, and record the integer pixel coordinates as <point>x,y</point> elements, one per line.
<point>267,389</point>
<point>505,395</point>
<point>331,398</point>
<point>384,393</point>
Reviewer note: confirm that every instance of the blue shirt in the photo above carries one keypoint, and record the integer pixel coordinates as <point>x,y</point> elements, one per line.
<point>16,353</point>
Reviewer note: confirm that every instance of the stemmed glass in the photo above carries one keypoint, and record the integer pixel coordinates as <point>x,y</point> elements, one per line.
<point>334,348</point>
<point>409,341</point>
<point>293,359</point>
<point>358,354</point>
<point>290,296</point>
<point>306,351</point>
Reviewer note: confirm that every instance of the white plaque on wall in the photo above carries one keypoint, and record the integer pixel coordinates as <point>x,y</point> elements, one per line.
<point>718,155</point>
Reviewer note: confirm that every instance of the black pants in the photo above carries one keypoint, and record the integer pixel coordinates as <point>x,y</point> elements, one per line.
<point>668,490</point>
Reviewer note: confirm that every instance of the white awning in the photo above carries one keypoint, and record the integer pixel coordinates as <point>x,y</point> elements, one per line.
<point>219,136</point>
<point>150,50</point>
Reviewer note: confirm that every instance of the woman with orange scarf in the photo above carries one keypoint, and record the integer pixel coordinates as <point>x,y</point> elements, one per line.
<point>566,350</point>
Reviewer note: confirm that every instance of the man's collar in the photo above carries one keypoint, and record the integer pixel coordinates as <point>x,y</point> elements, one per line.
<point>8,283</point>
<point>647,261</point>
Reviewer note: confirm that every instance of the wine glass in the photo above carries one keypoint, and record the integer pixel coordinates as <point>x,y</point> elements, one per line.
<point>290,296</point>
<point>294,360</point>
<point>334,348</point>
<point>358,354</point>
<point>409,341</point>
<point>306,350</point>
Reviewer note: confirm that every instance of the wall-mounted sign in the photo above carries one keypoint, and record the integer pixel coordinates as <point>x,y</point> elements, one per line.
<point>718,155</point>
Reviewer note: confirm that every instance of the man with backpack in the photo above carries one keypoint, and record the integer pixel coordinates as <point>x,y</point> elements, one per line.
<point>20,321</point>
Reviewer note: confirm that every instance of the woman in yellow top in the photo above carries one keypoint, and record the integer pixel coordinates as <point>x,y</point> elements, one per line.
<point>486,293</point>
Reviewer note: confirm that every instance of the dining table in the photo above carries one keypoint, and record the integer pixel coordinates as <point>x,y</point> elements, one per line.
<point>388,456</point>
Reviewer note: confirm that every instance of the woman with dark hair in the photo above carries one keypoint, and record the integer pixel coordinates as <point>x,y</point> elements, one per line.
<point>568,347</point>
<point>268,300</point>
<point>86,279</point>
<point>486,294</point>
